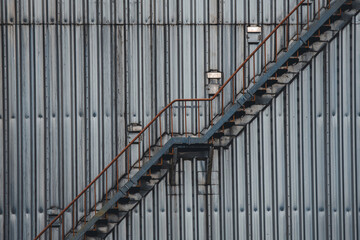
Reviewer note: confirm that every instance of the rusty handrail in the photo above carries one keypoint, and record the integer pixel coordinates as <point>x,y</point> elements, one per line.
<point>159,114</point>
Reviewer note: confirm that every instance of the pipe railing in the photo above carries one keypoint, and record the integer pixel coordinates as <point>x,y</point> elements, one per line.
<point>138,151</point>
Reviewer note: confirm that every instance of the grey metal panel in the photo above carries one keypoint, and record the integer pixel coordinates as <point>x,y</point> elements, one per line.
<point>147,12</point>
<point>56,112</point>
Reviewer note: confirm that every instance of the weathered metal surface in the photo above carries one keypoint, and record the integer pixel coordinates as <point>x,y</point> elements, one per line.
<point>63,88</point>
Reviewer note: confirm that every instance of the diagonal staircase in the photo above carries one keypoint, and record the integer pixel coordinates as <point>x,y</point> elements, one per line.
<point>156,149</point>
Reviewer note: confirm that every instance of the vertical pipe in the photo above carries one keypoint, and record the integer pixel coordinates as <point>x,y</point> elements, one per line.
<point>198,110</point>
<point>318,9</point>
<point>50,232</point>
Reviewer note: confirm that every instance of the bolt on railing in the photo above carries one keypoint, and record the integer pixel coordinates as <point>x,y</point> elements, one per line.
<point>162,125</point>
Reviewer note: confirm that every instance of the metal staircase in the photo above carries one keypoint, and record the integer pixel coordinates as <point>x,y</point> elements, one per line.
<point>156,148</point>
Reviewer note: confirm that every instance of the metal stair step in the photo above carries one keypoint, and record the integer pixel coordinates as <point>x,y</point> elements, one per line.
<point>115,216</point>
<point>233,131</point>
<point>292,60</point>
<point>94,234</point>
<point>260,91</point>
<point>218,134</point>
<point>239,113</point>
<point>281,71</point>
<point>228,124</point>
<point>270,82</point>
<point>249,103</point>
<point>324,28</point>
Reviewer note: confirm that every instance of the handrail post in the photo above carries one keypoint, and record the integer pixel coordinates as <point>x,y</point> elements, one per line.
<point>172,121</point>
<point>198,110</point>
<point>185,121</point>
<point>308,24</point>
<point>211,113</point>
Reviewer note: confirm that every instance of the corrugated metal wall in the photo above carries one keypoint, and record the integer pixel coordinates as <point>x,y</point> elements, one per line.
<point>75,73</point>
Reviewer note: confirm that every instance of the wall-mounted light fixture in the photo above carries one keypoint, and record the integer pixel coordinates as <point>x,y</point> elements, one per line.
<point>254,34</point>
<point>214,79</point>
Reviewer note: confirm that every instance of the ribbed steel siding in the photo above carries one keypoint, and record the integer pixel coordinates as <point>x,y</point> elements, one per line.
<point>57,111</point>
<point>148,12</point>
<point>291,174</point>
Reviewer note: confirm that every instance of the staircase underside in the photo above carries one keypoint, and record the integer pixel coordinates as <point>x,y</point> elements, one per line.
<point>226,127</point>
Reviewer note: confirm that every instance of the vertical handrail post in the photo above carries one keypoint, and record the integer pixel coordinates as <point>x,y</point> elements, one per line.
<point>265,54</point>
<point>62,228</point>
<point>211,113</point>
<point>254,68</point>
<point>185,121</point>
<point>308,24</point>
<point>297,25</point>
<point>172,121</point>
<point>198,111</point>
<point>73,219</point>
<point>222,102</point>
<point>276,46</point>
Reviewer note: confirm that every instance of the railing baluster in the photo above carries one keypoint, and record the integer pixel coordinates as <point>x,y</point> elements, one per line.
<point>211,114</point>
<point>139,152</point>
<point>62,227</point>
<point>95,195</point>
<point>287,35</point>
<point>254,68</point>
<point>172,124</point>
<point>233,91</point>
<point>243,90</point>
<point>222,102</point>
<point>106,185</point>
<point>276,46</point>
<point>117,181</point>
<point>84,208</point>
<point>160,132</point>
<point>73,220</point>
<point>265,55</point>
<point>308,24</point>
<point>128,163</point>
<point>198,111</point>
<point>297,24</point>
<point>185,121</point>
